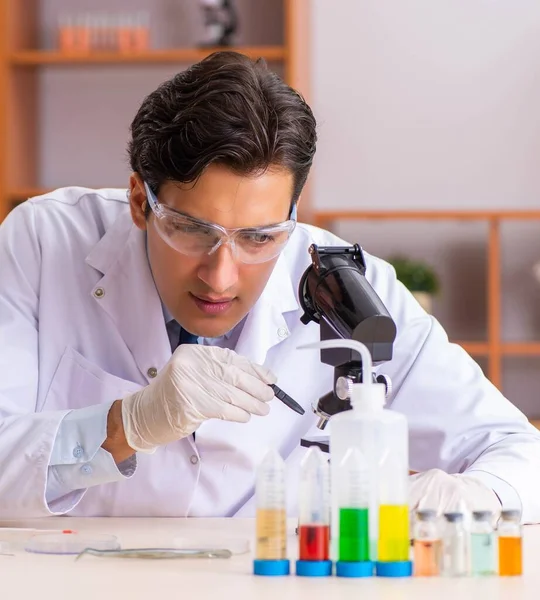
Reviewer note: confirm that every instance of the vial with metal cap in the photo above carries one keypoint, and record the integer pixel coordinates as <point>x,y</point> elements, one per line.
<point>455,546</point>
<point>509,534</point>
<point>271,517</point>
<point>314,515</point>
<point>483,544</point>
<point>427,544</point>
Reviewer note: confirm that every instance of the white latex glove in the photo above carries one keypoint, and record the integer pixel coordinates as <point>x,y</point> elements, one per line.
<point>198,383</point>
<point>439,491</point>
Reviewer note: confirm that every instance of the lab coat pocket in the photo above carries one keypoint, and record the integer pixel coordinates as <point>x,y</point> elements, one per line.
<point>78,383</point>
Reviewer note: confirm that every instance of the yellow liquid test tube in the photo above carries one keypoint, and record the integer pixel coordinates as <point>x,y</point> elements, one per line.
<point>393,533</point>
<point>271,526</point>
<point>271,518</point>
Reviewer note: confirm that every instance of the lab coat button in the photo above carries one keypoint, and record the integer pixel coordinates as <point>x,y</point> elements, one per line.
<point>99,293</point>
<point>194,459</point>
<point>86,469</point>
<point>152,372</point>
<point>78,451</point>
<point>282,332</point>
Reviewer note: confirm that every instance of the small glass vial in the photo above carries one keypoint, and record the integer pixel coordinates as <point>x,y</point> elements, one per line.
<point>271,517</point>
<point>455,546</point>
<point>483,544</point>
<point>427,546</point>
<point>510,546</point>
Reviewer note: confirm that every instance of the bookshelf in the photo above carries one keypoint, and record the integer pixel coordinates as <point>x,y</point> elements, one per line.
<point>494,348</point>
<point>21,62</point>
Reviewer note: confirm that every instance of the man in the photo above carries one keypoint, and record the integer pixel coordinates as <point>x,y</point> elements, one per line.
<point>140,332</point>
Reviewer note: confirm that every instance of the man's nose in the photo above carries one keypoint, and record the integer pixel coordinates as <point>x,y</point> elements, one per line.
<point>219,271</point>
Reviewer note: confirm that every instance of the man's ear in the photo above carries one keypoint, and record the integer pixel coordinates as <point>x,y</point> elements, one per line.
<point>137,200</point>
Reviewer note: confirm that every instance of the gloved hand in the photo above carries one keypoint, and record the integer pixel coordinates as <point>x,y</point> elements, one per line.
<point>437,490</point>
<point>198,383</point>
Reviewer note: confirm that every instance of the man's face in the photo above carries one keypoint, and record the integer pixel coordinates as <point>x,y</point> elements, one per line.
<point>210,294</point>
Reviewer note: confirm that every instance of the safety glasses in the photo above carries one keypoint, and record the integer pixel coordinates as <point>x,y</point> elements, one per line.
<point>194,237</point>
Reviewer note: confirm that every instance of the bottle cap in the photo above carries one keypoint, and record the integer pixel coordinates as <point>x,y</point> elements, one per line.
<point>354,569</point>
<point>314,568</point>
<point>454,517</point>
<point>401,568</point>
<point>368,396</point>
<point>511,514</point>
<point>271,568</point>
<point>426,514</point>
<point>482,515</point>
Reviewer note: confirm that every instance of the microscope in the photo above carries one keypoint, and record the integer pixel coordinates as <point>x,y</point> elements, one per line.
<point>335,293</point>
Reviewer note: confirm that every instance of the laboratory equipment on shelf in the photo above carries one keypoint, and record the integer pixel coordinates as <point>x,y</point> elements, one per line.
<point>314,515</point>
<point>271,518</point>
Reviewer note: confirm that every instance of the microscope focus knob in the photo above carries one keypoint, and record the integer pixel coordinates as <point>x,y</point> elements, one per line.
<point>387,382</point>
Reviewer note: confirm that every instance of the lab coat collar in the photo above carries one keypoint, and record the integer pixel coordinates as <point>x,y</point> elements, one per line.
<point>132,301</point>
<point>128,294</point>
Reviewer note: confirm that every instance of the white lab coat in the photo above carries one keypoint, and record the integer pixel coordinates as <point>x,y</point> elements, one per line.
<point>63,347</point>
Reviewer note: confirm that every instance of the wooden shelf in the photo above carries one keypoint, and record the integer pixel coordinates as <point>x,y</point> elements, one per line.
<point>22,194</point>
<point>322,218</point>
<point>179,55</point>
<point>474,348</point>
<point>521,348</point>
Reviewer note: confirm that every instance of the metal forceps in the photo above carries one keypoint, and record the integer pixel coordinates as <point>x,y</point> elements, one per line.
<point>156,553</point>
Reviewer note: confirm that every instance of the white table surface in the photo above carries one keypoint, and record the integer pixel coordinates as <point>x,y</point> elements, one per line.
<point>41,577</point>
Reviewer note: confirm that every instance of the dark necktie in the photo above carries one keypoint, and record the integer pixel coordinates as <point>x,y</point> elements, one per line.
<point>187,338</point>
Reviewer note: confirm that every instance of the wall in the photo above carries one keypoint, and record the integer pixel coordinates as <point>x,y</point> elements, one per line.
<point>432,105</point>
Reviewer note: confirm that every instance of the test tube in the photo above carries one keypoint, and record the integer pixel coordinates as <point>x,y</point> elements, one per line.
<point>483,544</point>
<point>353,508</point>
<point>271,517</point>
<point>510,543</point>
<point>394,539</point>
<point>427,546</point>
<point>314,515</point>
<point>455,546</point>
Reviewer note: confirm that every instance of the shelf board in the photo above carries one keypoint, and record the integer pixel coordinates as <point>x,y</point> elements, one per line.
<point>178,55</point>
<point>474,348</point>
<point>520,348</point>
<point>322,218</point>
<point>22,194</point>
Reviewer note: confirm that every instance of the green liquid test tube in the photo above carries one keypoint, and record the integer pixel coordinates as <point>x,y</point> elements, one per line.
<point>354,534</point>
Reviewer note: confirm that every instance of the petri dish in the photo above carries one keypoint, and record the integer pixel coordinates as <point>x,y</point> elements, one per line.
<point>234,545</point>
<point>70,542</point>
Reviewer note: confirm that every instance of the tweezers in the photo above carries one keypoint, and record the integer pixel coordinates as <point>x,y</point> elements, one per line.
<point>157,553</point>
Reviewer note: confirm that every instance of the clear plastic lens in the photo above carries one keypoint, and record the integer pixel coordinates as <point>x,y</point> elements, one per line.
<point>248,245</point>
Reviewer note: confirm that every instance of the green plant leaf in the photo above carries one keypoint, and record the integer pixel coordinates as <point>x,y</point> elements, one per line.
<point>416,276</point>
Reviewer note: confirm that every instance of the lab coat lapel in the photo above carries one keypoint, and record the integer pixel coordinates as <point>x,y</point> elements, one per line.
<point>128,294</point>
<point>265,324</point>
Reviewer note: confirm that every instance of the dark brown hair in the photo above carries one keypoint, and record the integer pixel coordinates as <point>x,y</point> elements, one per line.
<point>226,109</point>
